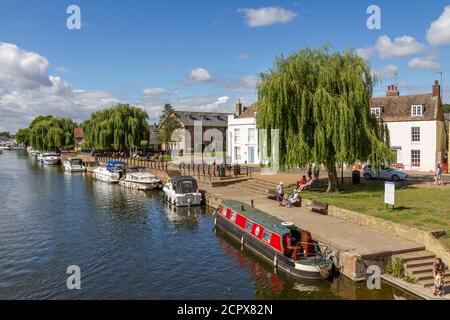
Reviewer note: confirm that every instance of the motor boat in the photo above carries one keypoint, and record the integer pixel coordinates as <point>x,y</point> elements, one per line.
<point>74,165</point>
<point>182,191</point>
<point>138,178</point>
<point>111,172</point>
<point>50,158</point>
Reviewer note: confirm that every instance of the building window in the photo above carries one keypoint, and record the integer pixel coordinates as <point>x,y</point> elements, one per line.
<point>415,134</point>
<point>417,111</point>
<point>251,135</point>
<point>415,158</point>
<point>237,153</point>
<point>376,112</point>
<point>237,136</point>
<point>249,226</point>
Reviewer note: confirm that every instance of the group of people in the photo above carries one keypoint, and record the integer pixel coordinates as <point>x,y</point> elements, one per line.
<point>293,198</point>
<point>439,277</point>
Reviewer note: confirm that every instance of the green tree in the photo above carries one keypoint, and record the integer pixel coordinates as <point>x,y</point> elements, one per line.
<point>23,136</point>
<point>51,133</point>
<point>167,124</point>
<point>320,102</point>
<point>118,128</point>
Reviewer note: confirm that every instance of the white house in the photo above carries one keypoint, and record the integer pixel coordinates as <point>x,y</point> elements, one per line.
<point>242,137</point>
<point>416,126</point>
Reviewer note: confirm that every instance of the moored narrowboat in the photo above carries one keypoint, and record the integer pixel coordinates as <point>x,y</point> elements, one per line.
<point>288,247</point>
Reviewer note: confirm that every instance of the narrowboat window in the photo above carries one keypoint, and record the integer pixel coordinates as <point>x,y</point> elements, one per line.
<point>267,236</point>
<point>233,217</point>
<point>223,212</point>
<point>249,226</point>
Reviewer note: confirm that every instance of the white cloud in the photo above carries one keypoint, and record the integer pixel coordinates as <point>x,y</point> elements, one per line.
<point>200,75</point>
<point>388,72</point>
<point>400,47</point>
<point>29,91</point>
<point>154,91</point>
<point>365,53</point>
<point>267,16</point>
<point>22,69</point>
<point>439,31</point>
<point>426,63</point>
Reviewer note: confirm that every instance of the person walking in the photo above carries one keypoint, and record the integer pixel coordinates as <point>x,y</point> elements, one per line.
<point>439,178</point>
<point>280,193</point>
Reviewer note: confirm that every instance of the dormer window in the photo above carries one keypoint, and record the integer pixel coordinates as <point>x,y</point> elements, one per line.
<point>376,112</point>
<point>417,110</point>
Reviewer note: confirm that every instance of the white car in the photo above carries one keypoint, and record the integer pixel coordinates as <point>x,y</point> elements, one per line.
<point>384,173</point>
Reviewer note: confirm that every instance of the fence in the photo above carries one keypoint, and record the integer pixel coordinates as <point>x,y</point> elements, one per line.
<point>137,162</point>
<point>215,172</point>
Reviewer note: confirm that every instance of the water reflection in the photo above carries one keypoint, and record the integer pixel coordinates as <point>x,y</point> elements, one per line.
<point>183,217</point>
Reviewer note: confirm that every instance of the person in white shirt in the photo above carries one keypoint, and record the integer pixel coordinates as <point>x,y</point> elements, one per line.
<point>280,193</point>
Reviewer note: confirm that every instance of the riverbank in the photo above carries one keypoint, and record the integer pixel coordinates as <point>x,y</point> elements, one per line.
<point>356,246</point>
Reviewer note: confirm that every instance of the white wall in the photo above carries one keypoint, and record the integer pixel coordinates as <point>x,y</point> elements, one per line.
<point>429,146</point>
<point>245,145</point>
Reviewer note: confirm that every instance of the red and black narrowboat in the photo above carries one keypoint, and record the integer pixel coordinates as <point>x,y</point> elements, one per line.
<point>288,247</point>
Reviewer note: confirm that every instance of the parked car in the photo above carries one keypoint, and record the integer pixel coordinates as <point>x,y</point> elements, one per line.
<point>384,173</point>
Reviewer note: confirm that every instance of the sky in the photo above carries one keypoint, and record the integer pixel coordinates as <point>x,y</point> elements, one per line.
<point>199,55</point>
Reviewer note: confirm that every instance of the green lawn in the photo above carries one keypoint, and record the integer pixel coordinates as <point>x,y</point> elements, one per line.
<point>424,208</point>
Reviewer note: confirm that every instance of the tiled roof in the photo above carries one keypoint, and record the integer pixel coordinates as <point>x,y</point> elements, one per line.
<point>398,108</point>
<point>250,112</point>
<point>208,119</point>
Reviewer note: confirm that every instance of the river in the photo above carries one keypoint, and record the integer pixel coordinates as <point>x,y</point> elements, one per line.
<point>129,245</point>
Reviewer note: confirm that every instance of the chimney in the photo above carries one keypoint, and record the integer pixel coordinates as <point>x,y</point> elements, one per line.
<point>436,89</point>
<point>238,108</point>
<point>392,91</point>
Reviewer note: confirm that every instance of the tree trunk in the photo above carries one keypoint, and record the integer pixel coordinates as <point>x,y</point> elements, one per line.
<point>332,179</point>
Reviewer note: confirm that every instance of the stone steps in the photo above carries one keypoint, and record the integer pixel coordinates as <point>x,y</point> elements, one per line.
<point>419,264</point>
<point>415,256</point>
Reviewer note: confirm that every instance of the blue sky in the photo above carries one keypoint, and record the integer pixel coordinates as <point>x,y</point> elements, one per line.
<point>199,55</point>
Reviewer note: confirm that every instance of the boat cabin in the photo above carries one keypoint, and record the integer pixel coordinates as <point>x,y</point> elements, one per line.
<point>76,162</point>
<point>184,184</point>
<point>115,166</point>
<point>283,237</point>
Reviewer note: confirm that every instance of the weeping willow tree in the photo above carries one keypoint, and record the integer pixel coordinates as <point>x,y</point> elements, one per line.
<point>320,103</point>
<point>50,133</point>
<point>118,128</point>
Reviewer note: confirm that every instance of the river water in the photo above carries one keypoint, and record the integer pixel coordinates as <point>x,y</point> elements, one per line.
<point>128,245</point>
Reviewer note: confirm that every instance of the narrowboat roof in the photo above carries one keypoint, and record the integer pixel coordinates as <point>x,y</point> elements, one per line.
<point>267,221</point>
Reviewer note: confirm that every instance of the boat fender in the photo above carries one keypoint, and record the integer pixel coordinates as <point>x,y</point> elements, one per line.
<point>275,261</point>
<point>242,242</point>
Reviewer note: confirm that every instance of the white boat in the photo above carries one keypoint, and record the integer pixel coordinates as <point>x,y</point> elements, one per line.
<point>111,172</point>
<point>138,178</point>
<point>6,147</point>
<point>182,191</point>
<point>50,158</point>
<point>74,165</point>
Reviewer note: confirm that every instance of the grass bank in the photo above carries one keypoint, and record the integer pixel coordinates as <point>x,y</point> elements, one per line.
<point>424,208</point>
